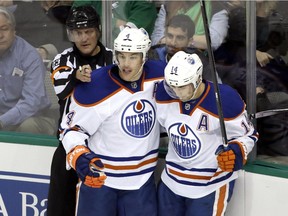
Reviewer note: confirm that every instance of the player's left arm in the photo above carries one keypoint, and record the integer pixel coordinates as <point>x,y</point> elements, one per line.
<point>242,137</point>
<point>241,134</point>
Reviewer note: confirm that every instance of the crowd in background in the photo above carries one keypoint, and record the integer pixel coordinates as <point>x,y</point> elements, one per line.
<point>44,60</point>
<point>227,26</point>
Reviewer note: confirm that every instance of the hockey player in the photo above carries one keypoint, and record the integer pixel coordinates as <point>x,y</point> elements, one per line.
<point>111,134</point>
<point>200,172</point>
<point>69,68</point>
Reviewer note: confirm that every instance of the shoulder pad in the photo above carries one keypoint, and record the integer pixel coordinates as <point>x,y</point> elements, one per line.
<point>161,94</point>
<point>100,87</point>
<point>154,69</point>
<point>231,101</point>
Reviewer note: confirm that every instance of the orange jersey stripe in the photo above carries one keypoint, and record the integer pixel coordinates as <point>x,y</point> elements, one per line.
<point>174,172</point>
<point>131,167</point>
<point>189,175</point>
<point>220,204</point>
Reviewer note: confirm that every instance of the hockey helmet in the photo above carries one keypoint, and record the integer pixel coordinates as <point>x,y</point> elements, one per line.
<point>133,40</point>
<point>83,17</point>
<point>183,69</point>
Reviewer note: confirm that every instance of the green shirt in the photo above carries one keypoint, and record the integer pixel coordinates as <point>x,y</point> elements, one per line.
<point>141,13</point>
<point>195,14</point>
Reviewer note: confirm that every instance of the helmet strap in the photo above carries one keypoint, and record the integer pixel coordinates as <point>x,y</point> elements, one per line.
<point>195,91</point>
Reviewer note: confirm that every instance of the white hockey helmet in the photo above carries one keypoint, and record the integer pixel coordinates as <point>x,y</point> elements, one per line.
<point>133,40</point>
<point>183,69</point>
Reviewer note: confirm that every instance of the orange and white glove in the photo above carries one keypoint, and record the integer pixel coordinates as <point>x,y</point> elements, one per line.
<point>87,165</point>
<point>230,158</point>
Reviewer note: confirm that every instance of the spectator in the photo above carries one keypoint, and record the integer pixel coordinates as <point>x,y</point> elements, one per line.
<point>39,31</point>
<point>140,14</point>
<point>179,34</point>
<point>70,68</point>
<point>272,46</point>
<point>218,27</point>
<point>57,10</point>
<point>271,80</point>
<point>231,55</point>
<point>116,132</point>
<point>23,97</point>
<point>234,49</point>
<point>198,167</point>
<point>172,8</point>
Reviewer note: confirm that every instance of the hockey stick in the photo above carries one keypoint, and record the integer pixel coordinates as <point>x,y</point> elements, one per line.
<point>214,76</point>
<point>269,113</point>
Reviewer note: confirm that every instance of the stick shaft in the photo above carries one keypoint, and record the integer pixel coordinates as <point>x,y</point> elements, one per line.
<point>214,73</point>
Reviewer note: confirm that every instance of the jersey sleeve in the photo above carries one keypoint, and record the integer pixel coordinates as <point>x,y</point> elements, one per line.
<point>63,75</point>
<point>87,110</point>
<point>239,128</point>
<point>242,132</point>
<point>78,125</point>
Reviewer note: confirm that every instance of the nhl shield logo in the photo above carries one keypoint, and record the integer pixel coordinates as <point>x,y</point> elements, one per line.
<point>138,118</point>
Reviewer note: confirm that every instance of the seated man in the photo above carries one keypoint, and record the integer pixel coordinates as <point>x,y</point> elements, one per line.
<point>178,36</point>
<point>23,99</point>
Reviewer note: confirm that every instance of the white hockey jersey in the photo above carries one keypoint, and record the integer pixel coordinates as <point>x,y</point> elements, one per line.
<point>194,132</point>
<point>117,121</point>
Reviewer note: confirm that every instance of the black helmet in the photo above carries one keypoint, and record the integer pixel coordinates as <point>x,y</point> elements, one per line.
<point>83,17</point>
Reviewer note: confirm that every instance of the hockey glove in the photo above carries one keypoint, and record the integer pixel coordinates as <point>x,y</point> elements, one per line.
<point>230,158</point>
<point>87,165</point>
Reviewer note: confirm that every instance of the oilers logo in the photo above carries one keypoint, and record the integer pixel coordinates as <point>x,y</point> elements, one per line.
<point>190,60</point>
<point>185,143</point>
<point>138,118</point>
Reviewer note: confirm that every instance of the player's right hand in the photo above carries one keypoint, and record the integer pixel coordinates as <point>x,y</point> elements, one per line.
<point>87,165</point>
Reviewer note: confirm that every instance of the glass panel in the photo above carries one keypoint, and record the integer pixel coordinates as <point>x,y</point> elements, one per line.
<point>228,32</point>
<point>25,84</point>
<point>272,99</point>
